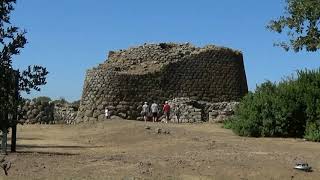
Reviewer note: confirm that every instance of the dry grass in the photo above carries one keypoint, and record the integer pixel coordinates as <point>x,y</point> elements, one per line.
<point>120,149</point>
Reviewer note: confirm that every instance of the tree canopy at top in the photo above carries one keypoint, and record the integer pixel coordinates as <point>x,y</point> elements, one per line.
<point>301,23</point>
<point>12,40</point>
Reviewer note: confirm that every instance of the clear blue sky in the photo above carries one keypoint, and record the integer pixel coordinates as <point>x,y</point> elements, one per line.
<point>70,36</point>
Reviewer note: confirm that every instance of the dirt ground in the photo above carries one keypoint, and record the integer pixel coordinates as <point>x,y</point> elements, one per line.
<point>120,149</point>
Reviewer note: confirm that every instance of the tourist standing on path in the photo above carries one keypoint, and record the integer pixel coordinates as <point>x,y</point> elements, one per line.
<point>154,110</point>
<point>166,110</point>
<point>145,111</point>
<point>178,113</point>
<point>107,113</point>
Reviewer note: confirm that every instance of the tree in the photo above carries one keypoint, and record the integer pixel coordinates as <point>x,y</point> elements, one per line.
<point>42,99</point>
<point>12,81</point>
<point>302,23</point>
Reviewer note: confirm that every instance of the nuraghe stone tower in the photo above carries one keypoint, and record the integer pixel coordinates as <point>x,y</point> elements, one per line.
<point>160,72</point>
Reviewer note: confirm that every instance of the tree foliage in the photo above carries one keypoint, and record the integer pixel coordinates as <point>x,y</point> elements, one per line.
<point>12,40</point>
<point>42,99</point>
<point>61,101</point>
<point>301,23</point>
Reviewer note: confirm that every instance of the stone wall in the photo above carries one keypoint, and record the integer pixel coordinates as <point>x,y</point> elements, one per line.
<point>37,112</point>
<point>159,72</point>
<point>199,111</point>
<point>42,112</point>
<point>65,113</point>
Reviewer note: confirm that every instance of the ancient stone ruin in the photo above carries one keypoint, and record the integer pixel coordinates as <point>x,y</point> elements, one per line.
<point>198,111</point>
<point>43,112</point>
<point>160,72</point>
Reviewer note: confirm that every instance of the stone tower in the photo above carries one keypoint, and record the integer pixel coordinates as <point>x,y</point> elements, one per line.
<point>160,72</point>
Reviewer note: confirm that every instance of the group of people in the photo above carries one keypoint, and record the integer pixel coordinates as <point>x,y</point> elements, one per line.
<point>154,111</point>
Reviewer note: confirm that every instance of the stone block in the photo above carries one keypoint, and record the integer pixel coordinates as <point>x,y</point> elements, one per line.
<point>93,119</point>
<point>122,115</point>
<point>100,107</point>
<point>101,117</point>
<point>85,119</point>
<point>96,113</point>
<point>88,113</point>
<point>213,113</point>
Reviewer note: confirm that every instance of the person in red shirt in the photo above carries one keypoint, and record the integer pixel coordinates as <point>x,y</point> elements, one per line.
<point>166,110</point>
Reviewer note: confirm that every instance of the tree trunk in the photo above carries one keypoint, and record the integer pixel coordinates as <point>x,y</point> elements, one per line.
<point>4,141</point>
<point>15,115</point>
<point>13,138</point>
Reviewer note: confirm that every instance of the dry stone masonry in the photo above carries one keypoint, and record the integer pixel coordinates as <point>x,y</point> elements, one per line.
<point>160,72</point>
<point>198,111</point>
<point>65,113</point>
<point>37,112</point>
<point>42,112</point>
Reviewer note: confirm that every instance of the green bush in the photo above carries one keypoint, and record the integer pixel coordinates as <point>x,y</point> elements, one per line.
<point>61,101</point>
<point>41,99</point>
<point>227,124</point>
<point>281,110</point>
<point>312,132</point>
<point>76,105</point>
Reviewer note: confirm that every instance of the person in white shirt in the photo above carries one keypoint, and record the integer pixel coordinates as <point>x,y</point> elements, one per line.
<point>145,111</point>
<point>154,110</point>
<point>107,113</point>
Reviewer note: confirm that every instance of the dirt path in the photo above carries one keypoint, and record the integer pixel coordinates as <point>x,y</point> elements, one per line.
<point>120,149</point>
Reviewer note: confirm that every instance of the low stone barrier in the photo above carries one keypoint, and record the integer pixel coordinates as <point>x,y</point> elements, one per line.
<point>192,111</point>
<point>42,112</point>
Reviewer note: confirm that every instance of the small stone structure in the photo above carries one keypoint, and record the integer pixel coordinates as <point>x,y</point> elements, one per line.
<point>42,112</point>
<point>198,111</point>
<point>160,72</point>
<point>65,113</point>
<point>38,112</point>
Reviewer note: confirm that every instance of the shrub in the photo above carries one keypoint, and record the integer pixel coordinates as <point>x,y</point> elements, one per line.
<point>227,124</point>
<point>281,110</point>
<point>76,105</point>
<point>41,99</point>
<point>312,132</point>
<point>61,101</point>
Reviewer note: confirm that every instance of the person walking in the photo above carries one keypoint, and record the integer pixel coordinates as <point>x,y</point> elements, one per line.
<point>166,110</point>
<point>178,113</point>
<point>145,111</point>
<point>107,113</point>
<point>154,110</point>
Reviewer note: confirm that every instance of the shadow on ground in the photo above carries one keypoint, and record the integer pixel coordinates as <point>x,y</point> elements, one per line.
<point>47,153</point>
<point>54,146</point>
